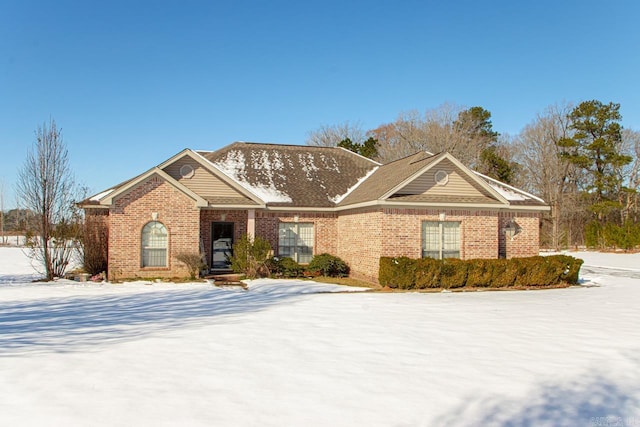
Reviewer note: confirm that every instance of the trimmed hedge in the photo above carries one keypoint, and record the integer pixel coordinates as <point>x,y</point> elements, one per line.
<point>537,271</point>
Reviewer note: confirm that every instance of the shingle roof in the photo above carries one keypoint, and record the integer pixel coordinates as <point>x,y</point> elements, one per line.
<point>326,177</point>
<point>388,177</point>
<point>292,175</point>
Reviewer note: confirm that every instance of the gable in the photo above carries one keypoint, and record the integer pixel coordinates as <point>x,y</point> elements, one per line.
<point>190,173</point>
<point>292,175</point>
<point>444,179</point>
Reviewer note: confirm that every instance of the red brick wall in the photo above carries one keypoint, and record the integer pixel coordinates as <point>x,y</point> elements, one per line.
<point>325,229</point>
<point>365,236</point>
<point>360,242</point>
<point>527,242</point>
<point>132,210</point>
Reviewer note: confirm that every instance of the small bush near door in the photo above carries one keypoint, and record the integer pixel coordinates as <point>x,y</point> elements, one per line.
<point>250,257</point>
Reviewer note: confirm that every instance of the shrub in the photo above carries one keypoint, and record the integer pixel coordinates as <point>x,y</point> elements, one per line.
<point>250,256</point>
<point>427,273</point>
<point>453,273</point>
<point>406,273</point>
<point>479,273</point>
<point>193,261</point>
<point>329,265</point>
<point>286,267</point>
<point>504,273</point>
<point>397,272</point>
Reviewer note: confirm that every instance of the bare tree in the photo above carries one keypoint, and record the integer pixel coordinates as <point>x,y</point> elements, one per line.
<point>631,174</point>
<point>46,187</point>
<point>331,135</point>
<point>448,127</point>
<point>545,172</point>
<point>3,238</point>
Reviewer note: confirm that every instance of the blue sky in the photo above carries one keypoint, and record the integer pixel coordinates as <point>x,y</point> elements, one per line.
<point>133,83</point>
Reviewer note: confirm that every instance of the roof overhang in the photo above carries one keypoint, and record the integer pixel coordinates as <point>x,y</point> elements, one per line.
<point>108,199</point>
<point>459,165</point>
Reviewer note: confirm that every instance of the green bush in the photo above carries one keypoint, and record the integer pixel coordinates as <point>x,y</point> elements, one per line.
<point>250,256</point>
<point>453,273</point>
<point>427,273</point>
<point>328,265</point>
<point>611,235</point>
<point>479,273</point>
<point>386,272</point>
<point>284,267</point>
<point>406,273</point>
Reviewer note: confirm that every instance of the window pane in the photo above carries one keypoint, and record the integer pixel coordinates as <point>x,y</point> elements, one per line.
<point>154,245</point>
<point>451,240</point>
<point>296,241</point>
<point>440,239</point>
<point>430,239</point>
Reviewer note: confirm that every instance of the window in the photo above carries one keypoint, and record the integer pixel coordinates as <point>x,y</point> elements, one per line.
<point>296,241</point>
<point>441,177</point>
<point>440,239</point>
<point>154,245</point>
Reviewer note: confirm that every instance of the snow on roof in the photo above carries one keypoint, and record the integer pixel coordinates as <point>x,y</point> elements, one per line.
<point>99,196</point>
<point>339,198</point>
<point>508,192</point>
<point>234,167</point>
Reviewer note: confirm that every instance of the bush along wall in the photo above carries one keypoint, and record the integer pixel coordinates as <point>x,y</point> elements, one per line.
<point>532,272</point>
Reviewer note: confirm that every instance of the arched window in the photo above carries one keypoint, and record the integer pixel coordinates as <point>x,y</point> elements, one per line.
<point>154,245</point>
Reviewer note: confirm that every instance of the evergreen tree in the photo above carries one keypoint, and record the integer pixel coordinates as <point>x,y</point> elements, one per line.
<point>595,147</point>
<point>367,149</point>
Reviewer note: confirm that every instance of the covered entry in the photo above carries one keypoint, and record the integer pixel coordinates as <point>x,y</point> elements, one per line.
<point>221,245</point>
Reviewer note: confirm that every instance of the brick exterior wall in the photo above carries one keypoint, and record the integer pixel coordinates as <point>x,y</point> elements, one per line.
<point>525,243</point>
<point>325,229</point>
<point>359,237</point>
<point>398,232</point>
<point>129,214</point>
<point>358,246</point>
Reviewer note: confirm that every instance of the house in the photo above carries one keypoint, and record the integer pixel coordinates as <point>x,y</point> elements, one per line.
<point>309,200</point>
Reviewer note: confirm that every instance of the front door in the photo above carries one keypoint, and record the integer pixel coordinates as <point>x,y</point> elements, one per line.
<point>221,245</point>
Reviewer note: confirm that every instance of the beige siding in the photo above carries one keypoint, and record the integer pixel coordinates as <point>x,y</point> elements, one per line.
<point>203,182</point>
<point>459,184</point>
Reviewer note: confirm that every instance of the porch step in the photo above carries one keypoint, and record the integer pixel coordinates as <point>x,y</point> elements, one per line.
<point>228,279</point>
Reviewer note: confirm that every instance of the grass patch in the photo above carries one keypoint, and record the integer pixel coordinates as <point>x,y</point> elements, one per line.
<point>346,281</point>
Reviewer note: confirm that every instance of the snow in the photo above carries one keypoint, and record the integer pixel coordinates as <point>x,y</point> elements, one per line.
<point>300,353</point>
<point>234,167</point>
<point>339,198</point>
<point>100,196</point>
<point>508,192</point>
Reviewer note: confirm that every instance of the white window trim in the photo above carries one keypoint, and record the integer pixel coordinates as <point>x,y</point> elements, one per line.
<point>295,252</point>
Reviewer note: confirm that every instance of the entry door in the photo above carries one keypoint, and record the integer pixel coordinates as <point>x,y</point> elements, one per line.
<point>221,244</point>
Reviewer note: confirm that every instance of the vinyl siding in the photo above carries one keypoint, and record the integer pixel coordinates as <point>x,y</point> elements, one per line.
<point>203,182</point>
<point>457,185</point>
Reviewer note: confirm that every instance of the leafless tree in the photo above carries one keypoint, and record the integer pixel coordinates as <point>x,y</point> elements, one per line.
<point>331,135</point>
<point>546,173</point>
<point>3,238</point>
<point>46,187</point>
<point>436,130</point>
<point>631,173</point>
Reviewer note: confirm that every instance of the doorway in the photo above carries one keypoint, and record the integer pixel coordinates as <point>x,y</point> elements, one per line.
<point>221,245</point>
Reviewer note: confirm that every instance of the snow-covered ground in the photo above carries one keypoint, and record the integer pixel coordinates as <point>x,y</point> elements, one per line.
<point>296,353</point>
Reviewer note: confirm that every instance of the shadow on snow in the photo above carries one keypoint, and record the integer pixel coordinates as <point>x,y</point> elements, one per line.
<point>64,324</point>
<point>589,401</point>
